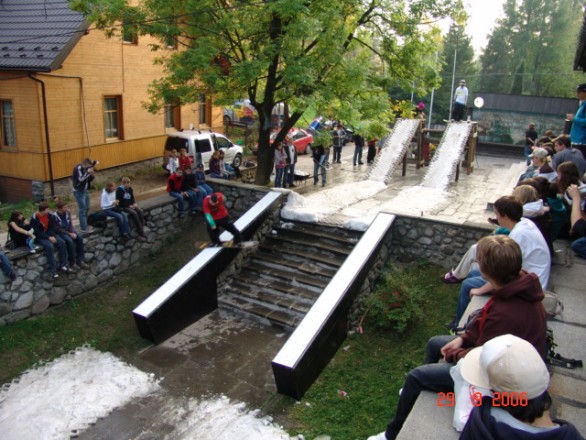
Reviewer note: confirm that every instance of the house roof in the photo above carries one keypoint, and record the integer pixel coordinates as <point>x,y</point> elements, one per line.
<point>37,35</point>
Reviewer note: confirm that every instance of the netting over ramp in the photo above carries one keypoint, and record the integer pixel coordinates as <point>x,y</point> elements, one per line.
<point>393,150</point>
<point>445,160</point>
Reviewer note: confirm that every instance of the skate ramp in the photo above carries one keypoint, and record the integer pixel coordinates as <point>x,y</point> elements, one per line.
<point>445,160</point>
<point>393,150</point>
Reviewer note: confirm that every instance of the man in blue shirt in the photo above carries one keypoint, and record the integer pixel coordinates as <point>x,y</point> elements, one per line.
<point>578,131</point>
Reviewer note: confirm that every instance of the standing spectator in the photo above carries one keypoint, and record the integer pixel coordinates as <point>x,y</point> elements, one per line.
<point>185,161</point>
<point>6,266</point>
<point>82,177</point>
<point>216,215</point>
<point>578,131</point>
<point>338,138</point>
<point>175,190</point>
<point>172,162</point>
<point>200,177</point>
<point>319,164</point>
<point>460,101</point>
<point>189,187</point>
<point>530,139</point>
<point>280,164</point>
<point>73,240</point>
<point>515,307</point>
<point>565,153</point>
<point>358,146</point>
<point>109,205</point>
<point>578,221</point>
<point>371,151</point>
<point>45,227</point>
<point>20,231</point>
<point>127,204</point>
<point>291,152</point>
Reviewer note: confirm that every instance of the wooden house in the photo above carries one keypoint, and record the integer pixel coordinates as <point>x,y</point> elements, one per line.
<point>68,92</point>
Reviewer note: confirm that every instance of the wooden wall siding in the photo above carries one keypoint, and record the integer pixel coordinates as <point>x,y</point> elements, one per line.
<point>15,190</point>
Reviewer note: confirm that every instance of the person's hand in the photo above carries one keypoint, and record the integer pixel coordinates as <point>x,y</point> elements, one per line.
<point>30,233</point>
<point>475,292</point>
<point>52,239</point>
<point>574,192</point>
<point>73,235</point>
<point>452,345</point>
<point>570,116</point>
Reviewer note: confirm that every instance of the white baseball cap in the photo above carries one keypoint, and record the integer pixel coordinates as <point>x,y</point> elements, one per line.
<point>507,364</point>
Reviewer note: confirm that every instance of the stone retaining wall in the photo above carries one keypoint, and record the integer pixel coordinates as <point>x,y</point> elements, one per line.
<point>34,291</point>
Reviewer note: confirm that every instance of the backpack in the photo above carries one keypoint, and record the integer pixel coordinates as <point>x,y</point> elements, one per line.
<point>97,219</point>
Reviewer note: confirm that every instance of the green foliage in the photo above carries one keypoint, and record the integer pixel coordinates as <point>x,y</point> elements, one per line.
<point>396,302</point>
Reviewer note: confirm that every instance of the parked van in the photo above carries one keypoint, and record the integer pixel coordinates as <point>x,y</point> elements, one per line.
<point>200,146</point>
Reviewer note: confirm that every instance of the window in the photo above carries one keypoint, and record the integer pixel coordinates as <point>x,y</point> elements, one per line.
<point>113,117</point>
<point>129,33</point>
<point>203,109</point>
<point>172,116</point>
<point>7,129</point>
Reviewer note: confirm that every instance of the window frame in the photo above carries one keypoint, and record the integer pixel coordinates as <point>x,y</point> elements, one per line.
<point>172,116</point>
<point>129,34</point>
<point>118,112</point>
<point>11,120</point>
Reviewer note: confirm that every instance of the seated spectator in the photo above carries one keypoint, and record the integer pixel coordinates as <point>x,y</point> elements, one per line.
<point>511,366</point>
<point>541,159</point>
<point>578,221</point>
<point>536,256</point>
<point>6,266</point>
<point>20,231</point>
<point>565,153</point>
<point>185,161</point>
<point>175,190</point>
<point>73,240</point>
<point>226,167</point>
<point>534,210</point>
<point>515,307</point>
<point>172,162</point>
<point>45,228</point>
<point>568,174</point>
<point>216,169</point>
<point>189,187</point>
<point>109,205</point>
<point>216,215</point>
<point>128,205</point>
<point>200,178</point>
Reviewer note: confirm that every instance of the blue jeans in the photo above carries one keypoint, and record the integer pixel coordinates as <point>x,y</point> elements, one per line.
<point>5,264</point>
<point>527,150</point>
<point>121,220</point>
<point>179,197</point>
<point>579,246</point>
<point>83,205</point>
<point>357,155</point>
<point>319,167</point>
<point>195,199</point>
<point>75,250</point>
<point>206,189</point>
<point>61,250</point>
<point>220,176</point>
<point>290,173</point>
<point>472,281</point>
<point>337,154</point>
<point>431,376</point>
<point>279,174</point>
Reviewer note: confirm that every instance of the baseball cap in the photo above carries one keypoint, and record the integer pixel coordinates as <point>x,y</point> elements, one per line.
<point>462,81</point>
<point>581,88</point>
<point>200,165</point>
<point>541,153</point>
<point>507,364</point>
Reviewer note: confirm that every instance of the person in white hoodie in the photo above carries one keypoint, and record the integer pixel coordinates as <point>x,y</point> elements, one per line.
<point>536,211</point>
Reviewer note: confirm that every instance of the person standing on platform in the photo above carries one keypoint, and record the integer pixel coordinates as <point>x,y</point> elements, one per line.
<point>82,177</point>
<point>460,100</point>
<point>578,130</point>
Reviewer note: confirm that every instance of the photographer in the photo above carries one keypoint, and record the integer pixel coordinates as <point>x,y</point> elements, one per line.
<point>578,220</point>
<point>82,177</point>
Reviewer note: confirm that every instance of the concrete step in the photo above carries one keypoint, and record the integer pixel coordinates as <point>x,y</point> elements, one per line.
<point>285,275</point>
<point>309,292</point>
<point>296,264</point>
<point>301,244</point>
<point>428,421</point>
<point>271,316</point>
<point>276,248</point>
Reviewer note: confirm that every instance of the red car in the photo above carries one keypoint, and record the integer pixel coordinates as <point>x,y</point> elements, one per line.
<point>302,140</point>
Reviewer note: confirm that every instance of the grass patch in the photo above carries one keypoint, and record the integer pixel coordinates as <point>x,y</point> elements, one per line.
<point>371,367</point>
<point>101,318</point>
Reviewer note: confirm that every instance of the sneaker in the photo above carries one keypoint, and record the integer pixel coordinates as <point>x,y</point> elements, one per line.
<point>32,251</point>
<point>449,278</point>
<point>87,230</point>
<point>380,436</point>
<point>54,275</point>
<point>64,269</point>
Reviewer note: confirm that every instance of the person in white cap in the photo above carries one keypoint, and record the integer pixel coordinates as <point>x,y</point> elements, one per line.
<point>460,100</point>
<point>519,409</point>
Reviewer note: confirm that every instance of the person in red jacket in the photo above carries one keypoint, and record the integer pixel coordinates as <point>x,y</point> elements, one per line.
<point>175,189</point>
<point>216,215</point>
<point>515,307</point>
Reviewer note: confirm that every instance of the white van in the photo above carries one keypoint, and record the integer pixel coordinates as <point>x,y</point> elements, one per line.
<point>200,146</point>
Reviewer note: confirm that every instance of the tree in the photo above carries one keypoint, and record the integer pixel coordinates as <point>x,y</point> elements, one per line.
<point>531,50</point>
<point>329,55</point>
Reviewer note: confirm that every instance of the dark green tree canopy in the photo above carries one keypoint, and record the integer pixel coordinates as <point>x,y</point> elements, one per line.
<point>333,56</point>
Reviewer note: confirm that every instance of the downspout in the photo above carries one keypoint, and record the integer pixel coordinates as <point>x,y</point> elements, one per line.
<point>46,120</point>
